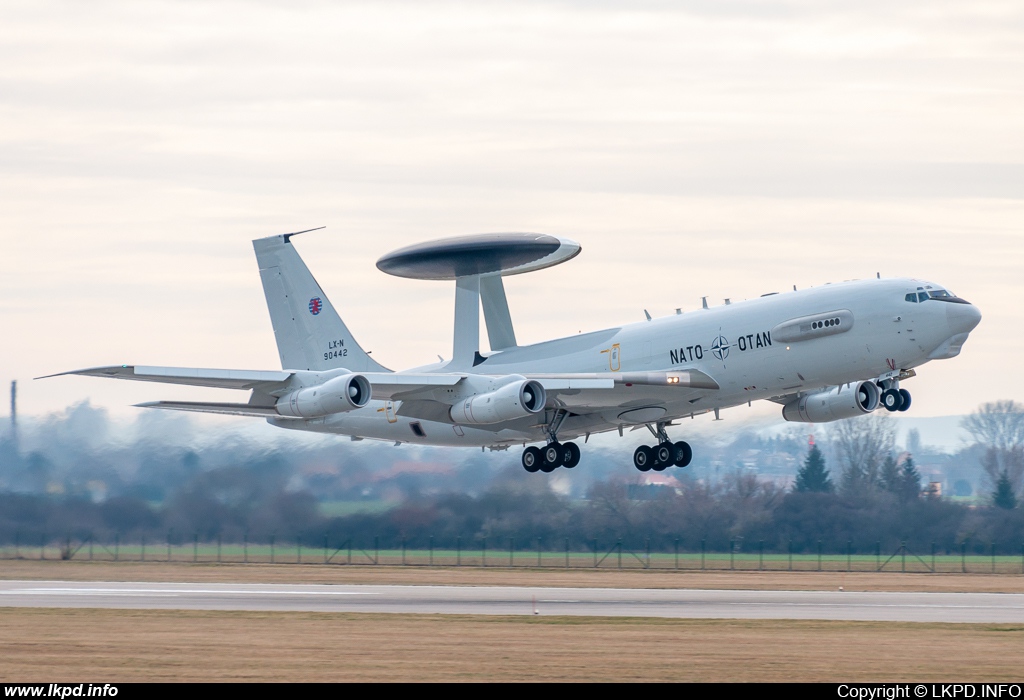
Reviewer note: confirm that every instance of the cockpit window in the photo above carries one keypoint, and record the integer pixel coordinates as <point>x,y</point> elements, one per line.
<point>945,295</point>
<point>922,296</point>
<point>912,298</point>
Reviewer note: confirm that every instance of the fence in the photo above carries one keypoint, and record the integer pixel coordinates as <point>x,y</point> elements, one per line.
<point>507,552</point>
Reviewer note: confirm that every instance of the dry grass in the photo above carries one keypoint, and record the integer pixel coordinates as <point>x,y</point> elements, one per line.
<point>47,645</point>
<point>497,576</point>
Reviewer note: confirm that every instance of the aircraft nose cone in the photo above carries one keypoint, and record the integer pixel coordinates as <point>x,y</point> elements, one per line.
<point>963,318</point>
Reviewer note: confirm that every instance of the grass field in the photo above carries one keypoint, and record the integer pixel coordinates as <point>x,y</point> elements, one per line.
<point>52,645</point>
<point>148,645</point>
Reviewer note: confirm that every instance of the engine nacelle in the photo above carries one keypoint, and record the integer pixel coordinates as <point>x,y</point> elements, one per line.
<point>846,401</point>
<point>517,399</point>
<point>344,393</point>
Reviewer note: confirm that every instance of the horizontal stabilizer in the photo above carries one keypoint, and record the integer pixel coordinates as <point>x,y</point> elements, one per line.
<point>230,409</point>
<point>216,378</point>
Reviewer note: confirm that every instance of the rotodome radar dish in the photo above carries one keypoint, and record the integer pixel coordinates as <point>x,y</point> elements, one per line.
<point>480,254</point>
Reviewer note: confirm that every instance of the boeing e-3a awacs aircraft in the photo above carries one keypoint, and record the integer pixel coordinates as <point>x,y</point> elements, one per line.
<point>823,353</point>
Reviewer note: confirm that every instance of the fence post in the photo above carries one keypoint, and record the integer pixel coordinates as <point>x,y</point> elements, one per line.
<point>273,536</point>
<point>538,552</point>
<point>195,547</point>
<point>431,550</point>
<point>567,554</point>
<point>349,560</point>
<point>245,546</point>
<point>789,547</point>
<point>298,547</point>
<point>595,552</point>
<point>511,551</point>
<point>732,554</point>
<point>677,553</point>
<point>618,547</point>
<point>168,545</point>
<point>819,555</point>
<point>963,557</point>
<point>90,546</point>
<point>648,552</point>
<point>849,555</point>
<point>17,544</point>
<point>117,546</point>
<point>483,554</point>
<point>702,549</point>
<point>933,557</point>
<point>142,555</point>
<point>218,548</point>
<point>878,555</point>
<point>325,547</point>
<point>903,557</point>
<point>403,550</point>
<point>458,551</point>
<point>993,557</point>
<point>760,555</point>
<point>42,547</point>
<point>376,550</point>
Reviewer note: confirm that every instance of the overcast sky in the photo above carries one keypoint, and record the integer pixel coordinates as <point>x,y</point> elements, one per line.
<point>713,148</point>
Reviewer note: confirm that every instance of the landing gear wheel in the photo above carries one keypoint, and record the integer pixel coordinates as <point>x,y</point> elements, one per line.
<point>531,459</point>
<point>663,454</point>
<point>643,458</point>
<point>892,400</point>
<point>570,455</point>
<point>682,454</point>
<point>905,395</point>
<point>552,457</point>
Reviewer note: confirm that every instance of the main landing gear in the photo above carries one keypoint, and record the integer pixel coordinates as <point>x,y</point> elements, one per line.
<point>663,455</point>
<point>551,457</point>
<point>894,398</point>
<point>556,454</point>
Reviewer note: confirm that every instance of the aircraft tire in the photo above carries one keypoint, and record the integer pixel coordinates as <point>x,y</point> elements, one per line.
<point>682,453</point>
<point>892,400</point>
<point>663,455</point>
<point>643,458</point>
<point>905,395</point>
<point>531,459</point>
<point>570,455</point>
<point>551,457</point>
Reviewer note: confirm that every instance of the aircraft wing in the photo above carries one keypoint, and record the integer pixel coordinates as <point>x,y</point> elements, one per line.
<point>216,378</point>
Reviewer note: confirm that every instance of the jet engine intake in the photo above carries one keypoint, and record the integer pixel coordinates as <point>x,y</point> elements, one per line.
<point>338,395</point>
<point>514,400</point>
<point>846,401</point>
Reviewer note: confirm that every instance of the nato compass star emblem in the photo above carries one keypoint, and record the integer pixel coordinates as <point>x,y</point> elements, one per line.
<point>720,347</point>
<point>315,305</point>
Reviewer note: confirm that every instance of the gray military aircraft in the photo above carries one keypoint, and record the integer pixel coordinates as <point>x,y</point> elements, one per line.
<point>826,353</point>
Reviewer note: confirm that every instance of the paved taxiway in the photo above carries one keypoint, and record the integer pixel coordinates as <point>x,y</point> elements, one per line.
<point>496,600</point>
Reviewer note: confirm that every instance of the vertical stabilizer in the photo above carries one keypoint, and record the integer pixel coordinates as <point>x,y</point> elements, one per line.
<point>310,334</point>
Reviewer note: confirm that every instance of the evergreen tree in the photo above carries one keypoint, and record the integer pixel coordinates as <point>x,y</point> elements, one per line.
<point>1003,496</point>
<point>890,477</point>
<point>910,481</point>
<point>813,476</point>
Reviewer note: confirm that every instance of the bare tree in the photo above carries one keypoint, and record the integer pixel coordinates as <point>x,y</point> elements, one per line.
<point>998,426</point>
<point>861,446</point>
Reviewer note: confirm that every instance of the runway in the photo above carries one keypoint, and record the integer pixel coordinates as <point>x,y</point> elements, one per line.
<point>496,600</point>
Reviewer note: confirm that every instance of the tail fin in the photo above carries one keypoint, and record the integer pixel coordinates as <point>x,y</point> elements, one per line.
<point>310,334</point>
